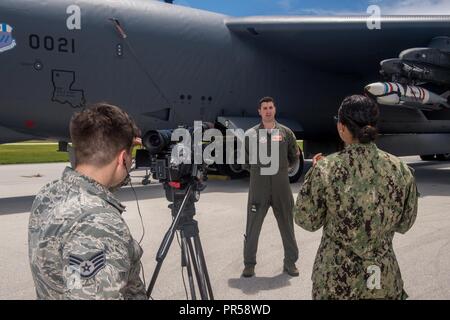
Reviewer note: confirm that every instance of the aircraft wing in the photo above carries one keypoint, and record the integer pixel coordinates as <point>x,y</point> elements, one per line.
<point>340,44</point>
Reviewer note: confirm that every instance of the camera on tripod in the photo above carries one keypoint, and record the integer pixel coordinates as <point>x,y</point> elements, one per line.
<point>176,165</point>
<point>170,160</point>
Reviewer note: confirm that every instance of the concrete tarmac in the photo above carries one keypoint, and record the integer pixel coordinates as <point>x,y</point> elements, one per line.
<point>423,253</point>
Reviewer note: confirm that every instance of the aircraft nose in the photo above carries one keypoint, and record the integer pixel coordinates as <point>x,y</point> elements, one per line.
<point>376,89</point>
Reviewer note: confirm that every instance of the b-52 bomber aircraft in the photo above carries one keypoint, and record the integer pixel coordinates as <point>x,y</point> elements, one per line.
<point>168,65</point>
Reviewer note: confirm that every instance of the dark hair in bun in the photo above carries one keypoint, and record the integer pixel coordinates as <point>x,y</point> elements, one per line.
<point>360,115</point>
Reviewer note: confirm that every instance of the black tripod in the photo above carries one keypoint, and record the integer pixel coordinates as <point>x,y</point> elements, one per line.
<point>192,256</point>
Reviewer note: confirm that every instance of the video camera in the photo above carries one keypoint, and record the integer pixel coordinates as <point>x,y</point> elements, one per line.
<point>169,160</point>
<point>172,162</point>
<point>180,167</point>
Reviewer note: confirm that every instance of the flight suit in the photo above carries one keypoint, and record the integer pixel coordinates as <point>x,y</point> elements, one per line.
<point>361,197</point>
<point>272,191</point>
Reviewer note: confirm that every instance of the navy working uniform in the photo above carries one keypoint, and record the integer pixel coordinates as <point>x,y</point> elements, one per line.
<point>361,197</point>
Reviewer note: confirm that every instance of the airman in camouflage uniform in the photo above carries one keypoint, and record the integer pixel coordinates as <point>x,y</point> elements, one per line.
<point>79,244</point>
<point>361,197</point>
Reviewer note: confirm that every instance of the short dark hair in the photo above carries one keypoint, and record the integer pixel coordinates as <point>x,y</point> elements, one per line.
<point>265,99</point>
<point>100,132</point>
<point>360,115</point>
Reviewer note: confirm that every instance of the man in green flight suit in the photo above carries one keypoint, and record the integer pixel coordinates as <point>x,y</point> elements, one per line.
<point>271,190</point>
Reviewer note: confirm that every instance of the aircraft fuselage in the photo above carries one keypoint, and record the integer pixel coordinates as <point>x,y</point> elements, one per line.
<point>166,65</point>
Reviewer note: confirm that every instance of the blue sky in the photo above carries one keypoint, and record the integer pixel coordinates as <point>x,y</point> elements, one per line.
<point>318,7</point>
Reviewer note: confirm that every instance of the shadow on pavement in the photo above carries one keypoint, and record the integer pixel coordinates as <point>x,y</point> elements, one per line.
<point>255,284</point>
<point>16,205</point>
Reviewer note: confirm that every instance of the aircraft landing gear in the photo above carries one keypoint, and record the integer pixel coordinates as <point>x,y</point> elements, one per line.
<point>234,171</point>
<point>146,180</point>
<point>296,171</point>
<point>443,157</point>
<point>438,157</point>
<point>428,157</point>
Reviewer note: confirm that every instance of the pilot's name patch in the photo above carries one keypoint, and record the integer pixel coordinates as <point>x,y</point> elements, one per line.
<point>277,138</point>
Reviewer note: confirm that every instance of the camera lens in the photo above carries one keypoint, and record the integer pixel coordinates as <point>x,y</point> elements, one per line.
<point>156,140</point>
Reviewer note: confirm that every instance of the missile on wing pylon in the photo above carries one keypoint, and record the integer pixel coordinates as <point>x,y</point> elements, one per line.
<point>392,93</point>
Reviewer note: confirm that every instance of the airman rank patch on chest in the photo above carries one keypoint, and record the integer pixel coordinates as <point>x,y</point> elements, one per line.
<point>88,268</point>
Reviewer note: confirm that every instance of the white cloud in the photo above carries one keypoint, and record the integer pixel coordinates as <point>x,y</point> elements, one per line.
<point>388,7</point>
<point>285,4</point>
<point>417,7</point>
<point>325,12</point>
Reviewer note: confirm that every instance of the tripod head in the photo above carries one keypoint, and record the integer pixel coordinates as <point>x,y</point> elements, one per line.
<point>176,192</point>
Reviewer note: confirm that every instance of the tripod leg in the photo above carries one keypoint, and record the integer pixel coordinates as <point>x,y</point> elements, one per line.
<point>186,259</point>
<point>167,241</point>
<point>153,281</point>
<point>198,270</point>
<point>198,246</point>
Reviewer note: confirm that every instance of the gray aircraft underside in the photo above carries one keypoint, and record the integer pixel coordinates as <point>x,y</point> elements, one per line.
<point>169,65</point>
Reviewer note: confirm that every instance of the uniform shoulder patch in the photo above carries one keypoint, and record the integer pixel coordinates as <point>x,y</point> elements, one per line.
<point>90,267</point>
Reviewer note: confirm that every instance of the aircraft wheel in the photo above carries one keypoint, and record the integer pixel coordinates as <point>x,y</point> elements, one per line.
<point>428,157</point>
<point>234,171</point>
<point>296,171</point>
<point>443,157</point>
